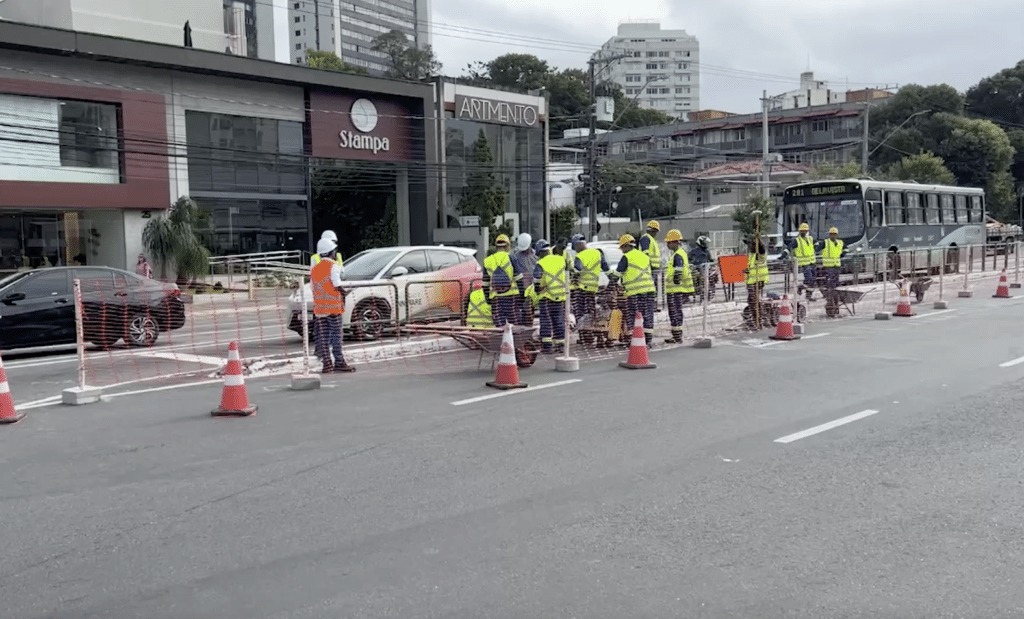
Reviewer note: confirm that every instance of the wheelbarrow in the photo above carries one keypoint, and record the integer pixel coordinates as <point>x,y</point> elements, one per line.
<point>488,340</point>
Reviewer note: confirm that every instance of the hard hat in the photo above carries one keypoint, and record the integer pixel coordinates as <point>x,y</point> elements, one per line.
<point>325,246</point>
<point>542,245</point>
<point>833,231</point>
<point>703,241</point>
<point>804,227</point>
<point>523,242</point>
<point>673,235</point>
<point>626,239</point>
<point>501,240</point>
<point>562,241</point>
<point>577,238</point>
<point>653,225</point>
<point>329,234</point>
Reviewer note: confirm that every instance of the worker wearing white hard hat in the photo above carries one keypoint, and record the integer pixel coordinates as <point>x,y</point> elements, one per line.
<point>328,308</point>
<point>525,259</point>
<point>328,235</point>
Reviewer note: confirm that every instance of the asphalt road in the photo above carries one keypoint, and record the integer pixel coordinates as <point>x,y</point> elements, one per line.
<point>661,493</point>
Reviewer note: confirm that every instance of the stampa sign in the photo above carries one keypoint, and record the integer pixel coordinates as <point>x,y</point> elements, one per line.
<point>370,128</point>
<point>500,112</point>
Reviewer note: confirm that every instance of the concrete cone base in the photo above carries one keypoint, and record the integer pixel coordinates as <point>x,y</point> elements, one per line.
<point>245,412</point>
<point>505,387</point>
<point>9,420</point>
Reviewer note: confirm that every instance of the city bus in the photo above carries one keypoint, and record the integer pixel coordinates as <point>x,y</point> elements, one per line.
<point>874,216</point>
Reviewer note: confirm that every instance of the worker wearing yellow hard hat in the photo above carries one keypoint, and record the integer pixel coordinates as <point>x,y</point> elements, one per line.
<point>804,254</point>
<point>638,285</point>
<point>649,245</point>
<point>503,282</point>
<point>831,263</point>
<point>678,284</point>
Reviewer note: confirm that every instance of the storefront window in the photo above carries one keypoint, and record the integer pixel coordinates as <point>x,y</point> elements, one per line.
<point>517,154</point>
<point>252,226</point>
<point>33,240</point>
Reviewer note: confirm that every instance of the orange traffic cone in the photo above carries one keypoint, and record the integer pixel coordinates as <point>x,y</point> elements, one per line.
<point>903,307</point>
<point>638,348</point>
<point>508,372</point>
<point>784,330</point>
<point>7,412</point>
<point>234,402</point>
<point>1003,291</point>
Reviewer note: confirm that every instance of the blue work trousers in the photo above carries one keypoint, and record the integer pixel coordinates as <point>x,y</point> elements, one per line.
<point>643,303</point>
<point>552,324</point>
<point>328,341</point>
<point>503,310</point>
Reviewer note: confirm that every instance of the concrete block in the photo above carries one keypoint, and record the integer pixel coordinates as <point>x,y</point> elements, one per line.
<point>883,316</point>
<point>965,294</point>
<point>941,305</point>
<point>308,382</point>
<point>567,364</point>
<point>77,397</point>
<point>1014,284</point>
<point>798,329</point>
<point>704,342</point>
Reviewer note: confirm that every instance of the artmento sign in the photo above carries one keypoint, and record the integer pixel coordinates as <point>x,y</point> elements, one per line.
<point>491,111</point>
<point>346,126</point>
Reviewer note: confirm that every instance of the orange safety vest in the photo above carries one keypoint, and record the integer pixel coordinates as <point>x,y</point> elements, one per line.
<point>327,301</point>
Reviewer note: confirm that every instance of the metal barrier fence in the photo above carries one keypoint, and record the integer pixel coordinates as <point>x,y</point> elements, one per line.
<point>165,336</point>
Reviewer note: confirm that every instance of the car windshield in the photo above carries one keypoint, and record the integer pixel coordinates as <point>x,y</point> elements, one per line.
<point>8,281</point>
<point>367,264</point>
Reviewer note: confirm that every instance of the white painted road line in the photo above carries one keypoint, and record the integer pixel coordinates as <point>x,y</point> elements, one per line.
<point>825,426</point>
<point>173,356</point>
<point>39,403</point>
<point>767,343</point>
<point>932,314</point>
<point>515,391</point>
<point>1012,363</point>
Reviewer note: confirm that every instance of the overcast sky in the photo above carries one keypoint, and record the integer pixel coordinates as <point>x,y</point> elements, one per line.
<point>748,46</point>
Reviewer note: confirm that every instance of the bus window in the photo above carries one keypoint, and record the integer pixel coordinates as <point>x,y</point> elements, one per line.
<point>948,214</point>
<point>976,210</point>
<point>873,197</point>
<point>915,214</point>
<point>894,207</point>
<point>932,210</point>
<point>961,209</point>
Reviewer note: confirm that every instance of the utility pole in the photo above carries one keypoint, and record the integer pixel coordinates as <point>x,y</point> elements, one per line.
<point>592,140</point>
<point>765,172</point>
<point>864,139</point>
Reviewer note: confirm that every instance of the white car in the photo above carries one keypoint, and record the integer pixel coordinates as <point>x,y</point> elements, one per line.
<point>392,285</point>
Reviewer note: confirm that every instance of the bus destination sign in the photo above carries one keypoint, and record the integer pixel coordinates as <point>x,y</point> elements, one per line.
<point>822,190</point>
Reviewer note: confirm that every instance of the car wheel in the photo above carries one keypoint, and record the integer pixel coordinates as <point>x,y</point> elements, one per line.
<point>368,319</point>
<point>141,330</point>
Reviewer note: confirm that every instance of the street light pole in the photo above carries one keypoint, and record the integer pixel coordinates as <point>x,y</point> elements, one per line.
<point>592,140</point>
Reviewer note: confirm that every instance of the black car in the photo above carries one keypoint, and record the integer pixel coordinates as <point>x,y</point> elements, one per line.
<point>37,308</point>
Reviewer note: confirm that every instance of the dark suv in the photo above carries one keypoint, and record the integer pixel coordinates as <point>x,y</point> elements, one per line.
<point>37,308</point>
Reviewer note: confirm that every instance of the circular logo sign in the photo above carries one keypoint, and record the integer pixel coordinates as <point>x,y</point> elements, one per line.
<point>364,115</point>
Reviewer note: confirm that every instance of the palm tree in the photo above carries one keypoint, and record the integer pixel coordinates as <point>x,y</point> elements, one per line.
<point>174,238</point>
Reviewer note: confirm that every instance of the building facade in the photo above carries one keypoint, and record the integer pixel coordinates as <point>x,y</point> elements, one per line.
<point>513,127</point>
<point>103,134</point>
<point>348,28</point>
<point>662,71</point>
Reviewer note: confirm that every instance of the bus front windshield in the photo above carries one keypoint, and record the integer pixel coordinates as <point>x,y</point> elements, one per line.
<point>846,215</point>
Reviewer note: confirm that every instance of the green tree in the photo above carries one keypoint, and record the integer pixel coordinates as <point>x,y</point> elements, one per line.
<point>405,60</point>
<point>642,189</point>
<point>175,239</point>
<point>750,222</point>
<point>383,232</point>
<point>979,154</point>
<point>355,199</point>
<point>329,61</point>
<point>925,168</point>
<point>1000,98</point>
<point>568,101</point>
<point>563,221</point>
<point>897,132</point>
<point>833,171</point>
<point>483,196</point>
<point>517,72</point>
<point>628,114</point>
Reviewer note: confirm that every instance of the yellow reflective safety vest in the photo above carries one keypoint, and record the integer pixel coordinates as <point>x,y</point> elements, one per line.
<point>804,250</point>
<point>590,275</point>
<point>553,278</point>
<point>500,260</point>
<point>531,296</point>
<point>315,260</point>
<point>653,252</point>
<point>831,253</point>
<point>686,281</point>
<point>478,312</point>
<point>757,269</point>
<point>638,278</point>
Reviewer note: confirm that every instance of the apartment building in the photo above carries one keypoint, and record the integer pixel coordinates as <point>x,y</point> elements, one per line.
<point>662,71</point>
<point>349,28</point>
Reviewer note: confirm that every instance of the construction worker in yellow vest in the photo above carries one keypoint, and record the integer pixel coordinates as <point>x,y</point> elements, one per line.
<point>678,284</point>
<point>756,275</point>
<point>478,311</point>
<point>831,261</point>
<point>638,287</point>
<point>503,282</point>
<point>649,246</point>
<point>588,264</point>
<point>330,236</point>
<point>804,253</point>
<point>551,281</point>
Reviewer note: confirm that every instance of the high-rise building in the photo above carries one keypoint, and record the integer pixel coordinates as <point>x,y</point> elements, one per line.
<point>349,28</point>
<point>239,27</point>
<point>663,69</point>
